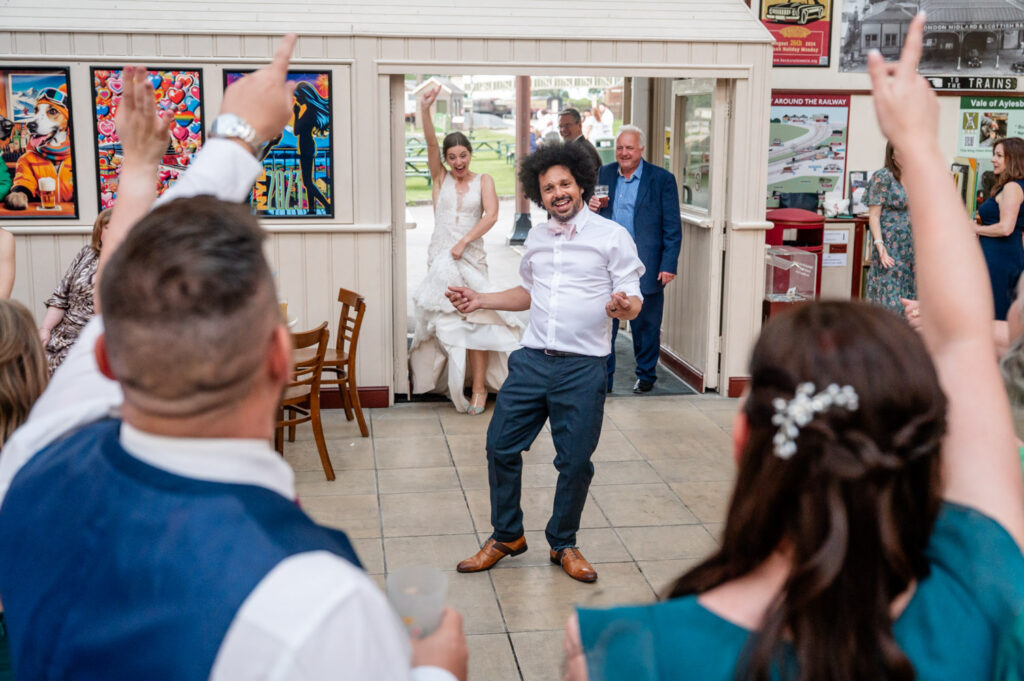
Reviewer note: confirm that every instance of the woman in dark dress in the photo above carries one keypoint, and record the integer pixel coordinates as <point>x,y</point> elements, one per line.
<point>1001,223</point>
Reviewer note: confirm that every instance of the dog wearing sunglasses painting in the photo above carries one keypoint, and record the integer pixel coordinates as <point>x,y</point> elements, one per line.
<point>48,153</point>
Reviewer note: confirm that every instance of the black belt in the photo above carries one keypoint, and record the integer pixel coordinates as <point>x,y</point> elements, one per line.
<point>561,353</point>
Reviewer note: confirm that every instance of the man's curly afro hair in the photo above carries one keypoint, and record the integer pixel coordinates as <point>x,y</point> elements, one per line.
<point>572,156</point>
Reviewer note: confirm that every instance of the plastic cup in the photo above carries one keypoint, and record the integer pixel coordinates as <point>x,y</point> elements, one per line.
<point>418,595</point>
<point>284,309</point>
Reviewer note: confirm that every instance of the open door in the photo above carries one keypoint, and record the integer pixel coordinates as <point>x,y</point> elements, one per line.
<point>691,328</point>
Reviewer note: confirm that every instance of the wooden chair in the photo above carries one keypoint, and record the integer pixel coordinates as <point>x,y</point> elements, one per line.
<point>301,400</point>
<point>341,361</point>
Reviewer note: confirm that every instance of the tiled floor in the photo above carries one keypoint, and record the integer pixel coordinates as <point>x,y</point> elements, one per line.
<point>415,493</point>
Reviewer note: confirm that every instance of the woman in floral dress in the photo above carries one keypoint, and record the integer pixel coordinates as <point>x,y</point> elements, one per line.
<point>891,275</point>
<point>70,306</point>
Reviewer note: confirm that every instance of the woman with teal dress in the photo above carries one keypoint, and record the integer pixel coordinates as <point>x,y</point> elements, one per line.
<point>891,275</point>
<point>875,528</point>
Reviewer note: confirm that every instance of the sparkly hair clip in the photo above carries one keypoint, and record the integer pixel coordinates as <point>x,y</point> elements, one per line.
<point>790,416</point>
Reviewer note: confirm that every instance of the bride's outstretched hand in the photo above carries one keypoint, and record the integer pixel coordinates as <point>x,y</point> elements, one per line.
<point>464,299</point>
<point>906,105</point>
<point>430,96</point>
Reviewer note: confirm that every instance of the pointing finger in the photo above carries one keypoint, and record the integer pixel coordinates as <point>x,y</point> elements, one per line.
<point>283,55</point>
<point>913,46</point>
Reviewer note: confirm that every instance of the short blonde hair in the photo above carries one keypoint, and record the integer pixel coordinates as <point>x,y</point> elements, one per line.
<point>23,373</point>
<point>101,222</point>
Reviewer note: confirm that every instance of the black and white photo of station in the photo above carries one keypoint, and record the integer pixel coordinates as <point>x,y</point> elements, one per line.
<point>969,37</point>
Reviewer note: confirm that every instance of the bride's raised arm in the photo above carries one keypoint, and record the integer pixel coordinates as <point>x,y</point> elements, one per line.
<point>430,137</point>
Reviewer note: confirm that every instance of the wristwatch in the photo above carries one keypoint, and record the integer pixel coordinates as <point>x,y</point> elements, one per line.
<point>230,126</point>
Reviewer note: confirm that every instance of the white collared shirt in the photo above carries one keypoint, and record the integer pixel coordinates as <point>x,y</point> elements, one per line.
<point>571,280</point>
<point>315,615</point>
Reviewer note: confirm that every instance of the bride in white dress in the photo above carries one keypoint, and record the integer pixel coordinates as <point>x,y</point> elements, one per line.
<point>446,343</point>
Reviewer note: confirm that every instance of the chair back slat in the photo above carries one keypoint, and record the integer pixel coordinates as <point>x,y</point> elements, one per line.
<point>353,307</point>
<point>307,366</point>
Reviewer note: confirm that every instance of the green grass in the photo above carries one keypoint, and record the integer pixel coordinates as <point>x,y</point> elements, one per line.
<point>784,132</point>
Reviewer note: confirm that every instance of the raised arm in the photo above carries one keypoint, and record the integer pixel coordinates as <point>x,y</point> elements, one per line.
<point>982,467</point>
<point>430,137</point>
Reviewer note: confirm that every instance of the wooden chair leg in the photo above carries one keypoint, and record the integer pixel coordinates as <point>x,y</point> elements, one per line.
<point>346,401</point>
<point>353,394</point>
<point>279,435</point>
<point>318,435</point>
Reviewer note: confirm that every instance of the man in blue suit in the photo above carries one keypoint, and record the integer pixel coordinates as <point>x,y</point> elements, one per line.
<point>643,198</point>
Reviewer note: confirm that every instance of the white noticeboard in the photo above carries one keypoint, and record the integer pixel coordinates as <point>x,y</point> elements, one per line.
<point>837,236</point>
<point>833,260</point>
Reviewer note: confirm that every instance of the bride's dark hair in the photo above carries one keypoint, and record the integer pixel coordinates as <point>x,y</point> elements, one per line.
<point>853,508</point>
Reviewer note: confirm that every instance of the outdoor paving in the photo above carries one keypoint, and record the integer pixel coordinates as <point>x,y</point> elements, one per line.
<point>415,493</point>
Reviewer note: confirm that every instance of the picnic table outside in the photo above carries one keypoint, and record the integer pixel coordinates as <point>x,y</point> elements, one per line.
<point>417,166</point>
<point>417,147</point>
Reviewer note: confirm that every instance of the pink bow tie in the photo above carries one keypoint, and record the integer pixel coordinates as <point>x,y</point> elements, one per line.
<point>556,228</point>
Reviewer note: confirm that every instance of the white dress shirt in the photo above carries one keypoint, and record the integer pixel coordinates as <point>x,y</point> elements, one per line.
<point>315,615</point>
<point>571,280</point>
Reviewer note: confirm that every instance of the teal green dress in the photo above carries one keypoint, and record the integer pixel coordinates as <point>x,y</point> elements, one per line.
<point>884,286</point>
<point>957,618</point>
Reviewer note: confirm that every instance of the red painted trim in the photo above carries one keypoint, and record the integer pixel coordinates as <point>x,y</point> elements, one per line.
<point>372,397</point>
<point>690,374</point>
<point>737,384</point>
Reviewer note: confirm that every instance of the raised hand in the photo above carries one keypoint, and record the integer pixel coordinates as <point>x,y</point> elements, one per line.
<point>464,299</point>
<point>906,105</point>
<point>430,96</point>
<point>263,99</point>
<point>143,130</point>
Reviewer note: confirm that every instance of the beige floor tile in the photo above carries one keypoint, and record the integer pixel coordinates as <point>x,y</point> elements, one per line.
<point>346,454</point>
<point>425,513</point>
<point>667,542</point>
<point>697,468</point>
<point>457,423</point>
<point>473,477</point>
<point>661,574</point>
<point>468,450</point>
<point>614,446</point>
<point>641,505</point>
<point>624,473</point>
<point>708,441</point>
<point>412,452</point>
<point>598,545</point>
<point>314,484</point>
<point>473,596</point>
<point>404,480</point>
<point>627,404</point>
<point>418,427</point>
<point>709,501</point>
<point>357,515</point>
<point>539,475</point>
<point>540,654</point>
<point>441,551</point>
<point>414,410</point>
<point>723,418</point>
<point>709,403</point>
<point>536,503</point>
<point>541,598</point>
<point>715,530</point>
<point>381,582</point>
<point>334,424</point>
<point>491,658</point>
<point>370,553</point>
<point>680,421</point>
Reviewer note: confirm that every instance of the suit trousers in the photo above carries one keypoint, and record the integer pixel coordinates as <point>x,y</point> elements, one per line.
<point>570,392</point>
<point>646,330</point>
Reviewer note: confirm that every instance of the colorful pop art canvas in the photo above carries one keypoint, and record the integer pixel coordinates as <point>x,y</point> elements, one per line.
<point>297,178</point>
<point>37,178</point>
<point>179,91</point>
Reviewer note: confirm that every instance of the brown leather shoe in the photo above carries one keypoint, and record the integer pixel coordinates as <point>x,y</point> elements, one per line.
<point>491,552</point>
<point>574,564</point>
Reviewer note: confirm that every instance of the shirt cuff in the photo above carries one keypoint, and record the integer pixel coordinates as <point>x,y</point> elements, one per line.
<point>222,168</point>
<point>432,674</point>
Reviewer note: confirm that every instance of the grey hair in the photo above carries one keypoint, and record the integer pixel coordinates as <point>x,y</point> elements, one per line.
<point>633,129</point>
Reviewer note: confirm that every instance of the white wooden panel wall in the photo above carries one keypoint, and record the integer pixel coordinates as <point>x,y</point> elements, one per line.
<point>39,263</point>
<point>684,328</point>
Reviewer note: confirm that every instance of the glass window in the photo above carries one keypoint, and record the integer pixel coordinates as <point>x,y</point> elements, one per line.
<point>696,151</point>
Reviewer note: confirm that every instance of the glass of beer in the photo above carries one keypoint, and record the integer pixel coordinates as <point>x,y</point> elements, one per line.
<point>48,193</point>
<point>601,192</point>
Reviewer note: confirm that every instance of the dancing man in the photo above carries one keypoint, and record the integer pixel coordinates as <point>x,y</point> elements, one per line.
<point>579,272</point>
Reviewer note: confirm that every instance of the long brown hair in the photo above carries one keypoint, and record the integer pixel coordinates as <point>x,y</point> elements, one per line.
<point>23,372</point>
<point>1013,152</point>
<point>890,162</point>
<point>854,506</point>
<point>98,225</point>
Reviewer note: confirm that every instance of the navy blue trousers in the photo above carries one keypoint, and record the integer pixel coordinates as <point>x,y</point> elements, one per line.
<point>646,330</point>
<point>569,391</point>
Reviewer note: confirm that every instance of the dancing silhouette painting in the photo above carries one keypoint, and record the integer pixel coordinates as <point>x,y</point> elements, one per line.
<point>298,165</point>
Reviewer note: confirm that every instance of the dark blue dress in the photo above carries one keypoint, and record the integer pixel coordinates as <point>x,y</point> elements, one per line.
<point>1004,255</point>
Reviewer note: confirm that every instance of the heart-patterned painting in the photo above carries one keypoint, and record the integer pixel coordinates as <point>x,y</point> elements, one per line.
<point>178,91</point>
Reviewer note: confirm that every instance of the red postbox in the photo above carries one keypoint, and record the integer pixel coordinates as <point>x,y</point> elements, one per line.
<point>810,233</point>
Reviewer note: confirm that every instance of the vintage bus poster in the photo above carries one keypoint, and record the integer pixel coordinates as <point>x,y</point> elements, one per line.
<point>802,30</point>
<point>297,169</point>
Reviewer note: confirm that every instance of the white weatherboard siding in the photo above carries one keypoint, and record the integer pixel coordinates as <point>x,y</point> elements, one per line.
<point>366,45</point>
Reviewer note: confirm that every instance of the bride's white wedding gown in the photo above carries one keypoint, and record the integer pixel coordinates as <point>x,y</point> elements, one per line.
<point>442,335</point>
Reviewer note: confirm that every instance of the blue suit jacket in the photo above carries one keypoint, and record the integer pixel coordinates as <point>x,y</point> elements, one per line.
<point>657,229</point>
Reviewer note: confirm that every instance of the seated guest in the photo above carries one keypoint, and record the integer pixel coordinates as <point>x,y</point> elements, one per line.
<point>876,524</point>
<point>184,555</point>
<point>70,306</point>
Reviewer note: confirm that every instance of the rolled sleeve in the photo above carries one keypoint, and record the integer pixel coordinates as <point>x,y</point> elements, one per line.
<point>624,266</point>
